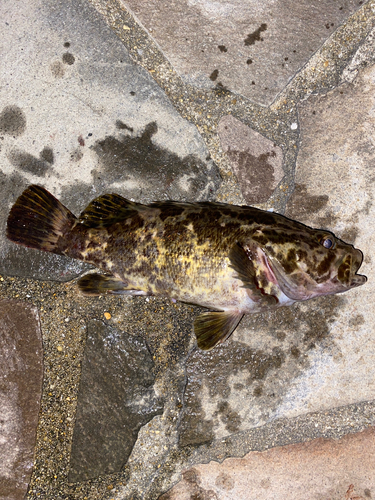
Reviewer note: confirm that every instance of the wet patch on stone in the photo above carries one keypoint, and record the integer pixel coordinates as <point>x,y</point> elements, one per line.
<point>190,483</point>
<point>29,163</point>
<point>143,167</point>
<point>257,364</point>
<point>21,374</point>
<point>116,398</point>
<point>255,36</point>
<point>12,121</point>
<point>68,58</point>
<point>256,161</point>
<point>301,202</point>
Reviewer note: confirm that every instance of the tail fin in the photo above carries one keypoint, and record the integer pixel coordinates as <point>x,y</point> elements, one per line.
<point>39,220</point>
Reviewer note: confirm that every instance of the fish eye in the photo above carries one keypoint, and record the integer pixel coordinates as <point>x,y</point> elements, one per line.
<point>327,242</point>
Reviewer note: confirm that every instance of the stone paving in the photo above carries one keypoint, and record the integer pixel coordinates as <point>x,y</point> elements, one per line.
<point>268,104</point>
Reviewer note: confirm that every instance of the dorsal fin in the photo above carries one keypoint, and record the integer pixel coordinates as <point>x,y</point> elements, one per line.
<point>107,210</point>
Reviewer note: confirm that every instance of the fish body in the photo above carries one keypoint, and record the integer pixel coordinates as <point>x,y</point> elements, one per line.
<point>233,259</point>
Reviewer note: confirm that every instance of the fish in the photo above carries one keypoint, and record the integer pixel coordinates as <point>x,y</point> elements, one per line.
<point>232,260</point>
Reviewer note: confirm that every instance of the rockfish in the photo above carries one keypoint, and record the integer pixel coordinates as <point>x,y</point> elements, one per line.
<point>232,259</point>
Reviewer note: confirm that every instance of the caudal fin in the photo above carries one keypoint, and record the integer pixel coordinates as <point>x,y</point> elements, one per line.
<point>39,220</point>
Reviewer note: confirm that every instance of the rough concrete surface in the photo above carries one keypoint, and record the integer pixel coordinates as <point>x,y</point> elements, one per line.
<point>158,102</point>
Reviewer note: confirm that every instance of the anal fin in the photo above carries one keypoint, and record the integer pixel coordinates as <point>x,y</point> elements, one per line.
<point>99,284</point>
<point>213,327</point>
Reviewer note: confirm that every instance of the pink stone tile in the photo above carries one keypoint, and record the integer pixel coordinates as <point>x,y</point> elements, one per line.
<point>322,469</point>
<point>256,161</point>
<point>21,374</point>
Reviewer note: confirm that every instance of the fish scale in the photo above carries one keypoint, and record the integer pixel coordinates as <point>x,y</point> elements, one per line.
<point>231,259</point>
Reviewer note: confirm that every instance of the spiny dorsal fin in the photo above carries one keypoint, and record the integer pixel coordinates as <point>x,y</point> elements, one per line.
<point>107,210</point>
<point>242,263</point>
<point>213,327</point>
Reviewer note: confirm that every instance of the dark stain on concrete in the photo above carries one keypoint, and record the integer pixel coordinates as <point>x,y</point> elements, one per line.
<point>214,75</point>
<point>122,126</point>
<point>349,235</point>
<point>254,173</point>
<point>76,155</point>
<point>358,320</point>
<point>68,58</point>
<point>28,162</point>
<point>116,398</point>
<point>12,121</point>
<point>229,417</point>
<point>47,155</point>
<point>222,48</point>
<point>302,204</point>
<point>156,169</point>
<point>192,479</point>
<point>255,36</point>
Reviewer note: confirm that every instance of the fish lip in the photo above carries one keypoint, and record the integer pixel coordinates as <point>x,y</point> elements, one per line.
<point>358,280</point>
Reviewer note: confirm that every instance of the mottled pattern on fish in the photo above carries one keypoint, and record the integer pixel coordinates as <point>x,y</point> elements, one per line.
<point>229,258</point>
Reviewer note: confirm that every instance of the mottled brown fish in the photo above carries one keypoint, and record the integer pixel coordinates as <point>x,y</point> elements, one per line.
<point>233,259</point>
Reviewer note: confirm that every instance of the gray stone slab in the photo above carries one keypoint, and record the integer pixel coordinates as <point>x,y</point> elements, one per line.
<point>80,118</point>
<point>116,398</point>
<point>256,161</point>
<point>335,190</point>
<point>242,384</point>
<point>322,468</point>
<point>319,354</point>
<point>252,48</point>
<point>21,373</point>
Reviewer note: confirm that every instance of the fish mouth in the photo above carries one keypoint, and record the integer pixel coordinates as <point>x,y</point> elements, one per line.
<point>352,263</point>
<point>347,272</point>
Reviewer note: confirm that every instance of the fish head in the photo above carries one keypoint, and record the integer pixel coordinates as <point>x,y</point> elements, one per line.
<point>306,263</point>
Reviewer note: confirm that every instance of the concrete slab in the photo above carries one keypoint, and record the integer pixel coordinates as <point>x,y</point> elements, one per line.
<point>338,470</point>
<point>335,190</point>
<point>81,119</point>
<point>251,48</point>
<point>21,375</point>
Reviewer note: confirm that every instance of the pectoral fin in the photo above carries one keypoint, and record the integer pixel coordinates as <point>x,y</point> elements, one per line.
<point>213,327</point>
<point>250,276</point>
<point>99,284</point>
